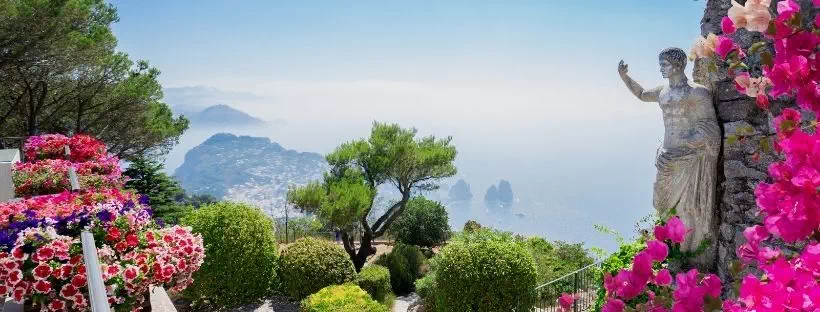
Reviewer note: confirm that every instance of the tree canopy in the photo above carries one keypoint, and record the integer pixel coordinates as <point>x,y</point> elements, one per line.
<point>60,72</point>
<point>391,156</point>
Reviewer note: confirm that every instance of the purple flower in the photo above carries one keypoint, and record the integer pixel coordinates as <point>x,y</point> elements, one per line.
<point>144,200</point>
<point>105,216</point>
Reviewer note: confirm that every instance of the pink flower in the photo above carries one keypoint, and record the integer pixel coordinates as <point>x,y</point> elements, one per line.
<point>724,46</point>
<point>712,285</point>
<point>42,271</point>
<point>787,8</point>
<point>758,18</point>
<point>613,305</point>
<point>565,301</point>
<point>737,14</point>
<point>727,26</point>
<point>762,102</point>
<point>676,229</point>
<point>42,287</point>
<point>787,122</point>
<point>657,250</point>
<point>663,278</point>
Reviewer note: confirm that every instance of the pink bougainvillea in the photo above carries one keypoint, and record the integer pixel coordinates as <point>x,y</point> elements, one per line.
<point>789,203</point>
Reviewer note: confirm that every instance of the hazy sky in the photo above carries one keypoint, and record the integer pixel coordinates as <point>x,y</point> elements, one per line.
<point>528,90</point>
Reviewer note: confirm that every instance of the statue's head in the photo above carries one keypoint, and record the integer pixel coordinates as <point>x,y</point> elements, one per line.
<point>672,61</point>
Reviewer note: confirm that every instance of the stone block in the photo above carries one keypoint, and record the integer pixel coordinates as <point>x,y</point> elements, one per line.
<point>737,169</point>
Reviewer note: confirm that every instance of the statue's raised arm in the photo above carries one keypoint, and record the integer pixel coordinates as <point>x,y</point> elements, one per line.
<point>650,95</point>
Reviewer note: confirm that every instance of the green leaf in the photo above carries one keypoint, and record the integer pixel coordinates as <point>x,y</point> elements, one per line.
<point>756,47</point>
<point>766,58</point>
<point>765,145</point>
<point>731,139</point>
<point>712,67</point>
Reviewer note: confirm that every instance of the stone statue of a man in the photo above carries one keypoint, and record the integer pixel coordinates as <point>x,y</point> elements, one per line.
<point>687,161</point>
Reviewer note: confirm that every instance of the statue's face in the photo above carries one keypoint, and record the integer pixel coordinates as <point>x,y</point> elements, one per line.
<point>668,69</point>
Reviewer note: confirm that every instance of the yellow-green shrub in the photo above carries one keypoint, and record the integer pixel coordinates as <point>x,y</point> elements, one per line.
<point>311,264</point>
<point>375,279</point>
<point>341,298</point>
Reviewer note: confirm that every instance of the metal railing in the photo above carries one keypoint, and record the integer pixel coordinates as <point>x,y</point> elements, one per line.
<point>12,142</point>
<point>582,283</point>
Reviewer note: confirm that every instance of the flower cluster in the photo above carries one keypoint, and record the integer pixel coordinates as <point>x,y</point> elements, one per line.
<point>649,277</point>
<point>52,146</point>
<point>47,169</point>
<point>789,203</point>
<point>40,249</point>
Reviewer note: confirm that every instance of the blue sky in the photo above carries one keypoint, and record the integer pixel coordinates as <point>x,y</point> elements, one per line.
<point>528,90</point>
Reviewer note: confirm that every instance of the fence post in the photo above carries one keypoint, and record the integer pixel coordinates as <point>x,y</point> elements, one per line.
<point>96,287</point>
<point>575,291</point>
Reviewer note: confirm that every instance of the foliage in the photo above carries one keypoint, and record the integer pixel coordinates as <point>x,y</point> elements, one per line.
<point>424,223</point>
<point>310,264</point>
<point>146,177</point>
<point>240,248</point>
<point>390,156</point>
<point>426,289</point>
<point>375,279</point>
<point>405,264</point>
<point>614,263</point>
<point>471,226</point>
<point>301,227</point>
<point>484,271</point>
<point>341,298</point>
<point>60,71</point>
<point>41,253</point>
<point>554,260</point>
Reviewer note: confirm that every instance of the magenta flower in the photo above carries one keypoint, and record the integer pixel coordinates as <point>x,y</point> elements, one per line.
<point>786,9</point>
<point>727,25</point>
<point>661,233</point>
<point>657,250</point>
<point>613,305</point>
<point>676,229</point>
<point>725,45</point>
<point>565,301</point>
<point>663,278</point>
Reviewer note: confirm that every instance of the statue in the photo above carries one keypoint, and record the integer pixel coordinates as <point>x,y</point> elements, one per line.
<point>687,160</point>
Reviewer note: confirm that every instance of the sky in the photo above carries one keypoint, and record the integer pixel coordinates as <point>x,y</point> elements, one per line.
<point>528,90</point>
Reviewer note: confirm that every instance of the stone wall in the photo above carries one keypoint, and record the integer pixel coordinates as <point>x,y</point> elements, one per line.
<point>740,170</point>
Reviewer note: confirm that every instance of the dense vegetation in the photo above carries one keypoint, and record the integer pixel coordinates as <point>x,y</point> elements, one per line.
<point>240,255</point>
<point>311,264</point>
<point>375,279</point>
<point>405,264</point>
<point>60,72</point>
<point>391,156</point>
<point>424,223</point>
<point>341,298</point>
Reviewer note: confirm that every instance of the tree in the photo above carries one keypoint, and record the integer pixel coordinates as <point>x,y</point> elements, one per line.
<point>392,156</point>
<point>60,72</point>
<point>146,178</point>
<point>423,224</point>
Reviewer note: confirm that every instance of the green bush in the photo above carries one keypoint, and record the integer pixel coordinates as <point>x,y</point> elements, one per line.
<point>426,289</point>
<point>614,263</point>
<point>240,254</point>
<point>471,226</point>
<point>404,263</point>
<point>375,279</point>
<point>484,271</point>
<point>341,298</point>
<point>424,223</point>
<point>311,264</point>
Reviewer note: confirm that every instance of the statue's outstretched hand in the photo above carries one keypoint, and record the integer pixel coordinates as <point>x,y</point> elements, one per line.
<point>622,68</point>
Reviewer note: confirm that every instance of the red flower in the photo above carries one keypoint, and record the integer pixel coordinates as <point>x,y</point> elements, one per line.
<point>4,290</point>
<point>15,277</point>
<point>43,254</point>
<point>42,271</point>
<point>79,280</point>
<point>132,240</point>
<point>69,291</point>
<point>19,294</point>
<point>56,305</point>
<point>42,287</point>
<point>113,234</point>
<point>130,273</point>
<point>121,247</point>
<point>18,254</point>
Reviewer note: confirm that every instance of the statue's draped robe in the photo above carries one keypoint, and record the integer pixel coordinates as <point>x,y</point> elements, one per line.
<point>687,164</point>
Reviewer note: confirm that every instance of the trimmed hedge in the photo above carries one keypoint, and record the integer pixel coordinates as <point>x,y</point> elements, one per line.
<point>423,223</point>
<point>486,271</point>
<point>240,255</point>
<point>311,264</point>
<point>375,279</point>
<point>404,263</point>
<point>426,289</point>
<point>341,298</point>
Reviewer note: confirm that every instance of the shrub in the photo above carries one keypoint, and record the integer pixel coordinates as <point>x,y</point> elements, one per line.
<point>240,254</point>
<point>426,289</point>
<point>614,263</point>
<point>341,298</point>
<point>471,226</point>
<point>424,223</point>
<point>311,264</point>
<point>375,279</point>
<point>404,263</point>
<point>485,271</point>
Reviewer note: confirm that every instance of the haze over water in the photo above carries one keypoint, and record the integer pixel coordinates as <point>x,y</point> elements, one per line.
<point>529,92</point>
